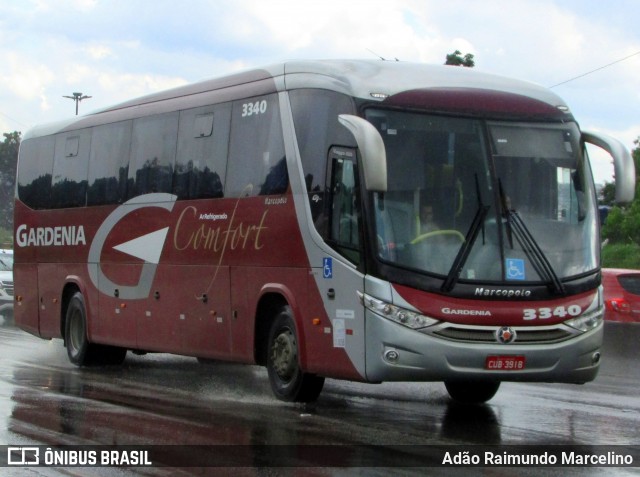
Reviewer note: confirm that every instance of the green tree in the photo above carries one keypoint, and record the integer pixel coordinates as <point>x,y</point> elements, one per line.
<point>8,161</point>
<point>456,59</point>
<point>608,194</point>
<point>623,222</point>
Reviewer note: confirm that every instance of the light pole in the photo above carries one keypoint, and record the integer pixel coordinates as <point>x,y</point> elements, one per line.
<point>77,97</point>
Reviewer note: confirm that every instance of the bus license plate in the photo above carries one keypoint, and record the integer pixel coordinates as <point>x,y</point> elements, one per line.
<point>504,363</point>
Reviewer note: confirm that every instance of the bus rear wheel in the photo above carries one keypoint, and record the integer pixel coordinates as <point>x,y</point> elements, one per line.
<point>288,381</point>
<point>79,350</point>
<point>472,392</point>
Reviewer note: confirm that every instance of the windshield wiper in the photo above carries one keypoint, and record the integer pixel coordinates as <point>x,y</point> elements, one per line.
<point>469,240</point>
<point>533,252</point>
<point>517,228</point>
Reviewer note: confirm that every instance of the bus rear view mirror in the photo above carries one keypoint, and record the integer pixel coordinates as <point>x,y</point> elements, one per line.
<point>372,151</point>
<point>624,167</point>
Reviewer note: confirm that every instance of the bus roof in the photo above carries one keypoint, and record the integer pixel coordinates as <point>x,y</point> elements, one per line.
<point>371,80</point>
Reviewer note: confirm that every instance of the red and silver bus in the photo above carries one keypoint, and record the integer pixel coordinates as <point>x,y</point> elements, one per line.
<point>360,220</point>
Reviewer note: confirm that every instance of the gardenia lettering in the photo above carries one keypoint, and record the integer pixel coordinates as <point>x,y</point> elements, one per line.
<point>452,311</point>
<point>50,236</point>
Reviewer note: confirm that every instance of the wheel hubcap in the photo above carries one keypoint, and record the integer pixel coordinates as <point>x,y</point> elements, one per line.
<point>283,355</point>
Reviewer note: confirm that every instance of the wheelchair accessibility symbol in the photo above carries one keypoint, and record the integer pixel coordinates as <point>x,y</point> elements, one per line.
<point>327,267</point>
<point>515,269</point>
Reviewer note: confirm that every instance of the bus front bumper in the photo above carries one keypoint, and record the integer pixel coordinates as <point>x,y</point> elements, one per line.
<point>397,353</point>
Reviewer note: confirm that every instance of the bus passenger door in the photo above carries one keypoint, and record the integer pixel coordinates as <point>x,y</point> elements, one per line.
<point>338,350</point>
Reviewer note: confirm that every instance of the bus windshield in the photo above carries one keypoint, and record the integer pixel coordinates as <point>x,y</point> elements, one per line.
<point>478,200</point>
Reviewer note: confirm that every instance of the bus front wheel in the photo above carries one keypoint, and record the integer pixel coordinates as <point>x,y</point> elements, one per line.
<point>472,392</point>
<point>288,381</point>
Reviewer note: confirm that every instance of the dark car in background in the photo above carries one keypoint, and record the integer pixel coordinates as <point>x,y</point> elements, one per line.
<point>621,294</point>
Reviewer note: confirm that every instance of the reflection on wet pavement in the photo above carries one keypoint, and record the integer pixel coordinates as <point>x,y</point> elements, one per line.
<point>164,399</point>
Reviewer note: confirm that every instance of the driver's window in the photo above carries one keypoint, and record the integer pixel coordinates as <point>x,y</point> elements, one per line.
<point>344,231</point>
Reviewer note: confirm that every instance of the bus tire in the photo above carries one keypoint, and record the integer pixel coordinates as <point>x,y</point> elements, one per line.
<point>472,392</point>
<point>75,332</point>
<point>79,350</point>
<point>288,381</point>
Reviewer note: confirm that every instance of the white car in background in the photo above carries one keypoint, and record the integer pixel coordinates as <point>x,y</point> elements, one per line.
<point>6,284</point>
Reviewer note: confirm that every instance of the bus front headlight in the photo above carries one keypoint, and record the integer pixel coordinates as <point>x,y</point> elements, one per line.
<point>405,317</point>
<point>587,321</point>
<point>592,317</point>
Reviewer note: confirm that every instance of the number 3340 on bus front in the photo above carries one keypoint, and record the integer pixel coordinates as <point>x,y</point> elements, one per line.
<point>547,313</point>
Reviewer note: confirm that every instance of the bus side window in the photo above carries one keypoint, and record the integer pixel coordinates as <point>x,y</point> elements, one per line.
<point>344,226</point>
<point>34,173</point>
<point>201,160</point>
<point>257,162</point>
<point>315,115</point>
<point>153,151</point>
<point>109,163</point>
<point>70,169</point>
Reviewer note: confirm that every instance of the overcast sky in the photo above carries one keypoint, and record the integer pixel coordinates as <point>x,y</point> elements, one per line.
<point>115,50</point>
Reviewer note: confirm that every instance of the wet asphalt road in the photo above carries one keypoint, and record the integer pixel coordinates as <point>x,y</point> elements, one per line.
<point>163,399</point>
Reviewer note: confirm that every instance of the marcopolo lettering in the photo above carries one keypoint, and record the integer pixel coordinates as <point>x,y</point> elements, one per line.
<point>50,236</point>
<point>503,292</point>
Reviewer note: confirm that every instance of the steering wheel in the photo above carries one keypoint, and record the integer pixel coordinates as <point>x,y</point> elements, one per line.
<point>436,233</point>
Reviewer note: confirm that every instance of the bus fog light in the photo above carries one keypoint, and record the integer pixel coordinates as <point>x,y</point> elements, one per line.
<point>391,356</point>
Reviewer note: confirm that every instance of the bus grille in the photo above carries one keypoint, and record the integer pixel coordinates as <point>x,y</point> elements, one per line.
<point>524,335</point>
